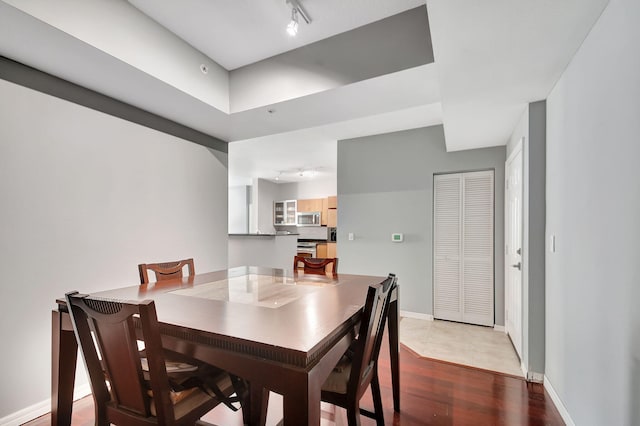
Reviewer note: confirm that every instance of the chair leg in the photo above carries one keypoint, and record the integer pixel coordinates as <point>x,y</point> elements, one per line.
<point>242,392</point>
<point>377,399</point>
<point>353,413</point>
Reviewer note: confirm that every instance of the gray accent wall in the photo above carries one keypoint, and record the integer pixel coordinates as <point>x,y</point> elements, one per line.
<point>385,186</point>
<point>532,129</point>
<point>84,201</point>
<point>593,209</point>
<point>535,208</point>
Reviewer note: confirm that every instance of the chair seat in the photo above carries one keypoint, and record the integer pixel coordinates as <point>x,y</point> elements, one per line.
<point>339,377</point>
<point>171,366</point>
<point>187,381</point>
<point>185,401</point>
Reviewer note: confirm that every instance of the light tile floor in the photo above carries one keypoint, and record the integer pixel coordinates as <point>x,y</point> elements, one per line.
<point>466,344</point>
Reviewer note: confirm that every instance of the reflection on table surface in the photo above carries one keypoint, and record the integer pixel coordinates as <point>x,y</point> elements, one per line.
<point>268,291</point>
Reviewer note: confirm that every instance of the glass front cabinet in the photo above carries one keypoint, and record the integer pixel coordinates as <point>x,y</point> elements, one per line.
<point>284,212</point>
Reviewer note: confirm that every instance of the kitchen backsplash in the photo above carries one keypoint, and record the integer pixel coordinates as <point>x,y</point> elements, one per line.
<point>307,232</point>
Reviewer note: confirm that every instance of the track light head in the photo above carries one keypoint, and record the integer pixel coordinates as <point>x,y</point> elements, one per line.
<point>296,9</point>
<point>292,28</point>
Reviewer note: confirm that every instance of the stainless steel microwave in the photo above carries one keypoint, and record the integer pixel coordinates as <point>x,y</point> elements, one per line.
<point>308,218</point>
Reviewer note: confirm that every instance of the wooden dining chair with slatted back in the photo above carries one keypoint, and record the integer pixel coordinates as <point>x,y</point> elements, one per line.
<point>358,368</point>
<point>165,270</point>
<point>128,389</point>
<point>316,265</point>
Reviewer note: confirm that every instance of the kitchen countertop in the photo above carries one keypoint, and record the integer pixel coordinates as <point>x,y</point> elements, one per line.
<point>261,235</point>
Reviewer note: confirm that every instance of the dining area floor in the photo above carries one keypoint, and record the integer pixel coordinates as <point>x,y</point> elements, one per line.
<point>432,392</point>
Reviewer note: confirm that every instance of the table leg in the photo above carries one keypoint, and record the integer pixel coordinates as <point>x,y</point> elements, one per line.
<point>64,352</point>
<point>394,323</point>
<point>302,408</point>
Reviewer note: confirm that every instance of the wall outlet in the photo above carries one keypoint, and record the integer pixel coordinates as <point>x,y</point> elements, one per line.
<point>397,238</point>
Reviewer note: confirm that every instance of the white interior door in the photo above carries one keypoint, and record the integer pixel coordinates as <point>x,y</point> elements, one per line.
<point>463,247</point>
<point>513,248</point>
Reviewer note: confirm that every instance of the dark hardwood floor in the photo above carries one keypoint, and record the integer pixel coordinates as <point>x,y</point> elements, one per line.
<point>432,393</point>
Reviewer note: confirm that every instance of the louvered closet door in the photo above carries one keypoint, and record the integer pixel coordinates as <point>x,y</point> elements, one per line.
<point>447,202</point>
<point>477,247</point>
<point>463,247</point>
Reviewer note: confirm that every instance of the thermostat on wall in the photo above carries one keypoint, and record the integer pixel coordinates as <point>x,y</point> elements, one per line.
<point>397,238</point>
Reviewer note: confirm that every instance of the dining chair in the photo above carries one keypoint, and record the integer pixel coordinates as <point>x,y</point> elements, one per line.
<point>130,387</point>
<point>358,367</point>
<point>316,265</point>
<point>165,270</point>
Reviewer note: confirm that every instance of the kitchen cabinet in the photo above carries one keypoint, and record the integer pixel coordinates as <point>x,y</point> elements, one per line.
<point>312,205</point>
<point>332,202</point>
<point>323,216</point>
<point>332,250</point>
<point>332,218</point>
<point>321,250</point>
<point>284,212</point>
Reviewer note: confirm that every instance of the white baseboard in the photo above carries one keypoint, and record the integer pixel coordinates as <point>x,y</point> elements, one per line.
<point>41,408</point>
<point>499,328</point>
<point>416,315</point>
<point>564,413</point>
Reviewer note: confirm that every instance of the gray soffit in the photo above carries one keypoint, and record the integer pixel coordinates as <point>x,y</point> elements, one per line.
<point>397,43</point>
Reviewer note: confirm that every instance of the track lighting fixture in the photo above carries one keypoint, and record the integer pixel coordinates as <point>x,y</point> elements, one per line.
<point>296,9</point>
<point>292,28</point>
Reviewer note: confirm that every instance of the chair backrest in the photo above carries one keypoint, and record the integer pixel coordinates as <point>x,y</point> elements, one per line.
<point>165,270</point>
<point>369,340</point>
<point>106,333</point>
<point>316,265</point>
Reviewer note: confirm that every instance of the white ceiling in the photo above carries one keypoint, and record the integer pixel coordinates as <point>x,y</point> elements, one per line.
<point>491,59</point>
<point>496,56</point>
<point>240,32</point>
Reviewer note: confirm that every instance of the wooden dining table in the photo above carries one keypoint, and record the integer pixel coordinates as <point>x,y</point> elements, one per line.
<point>281,331</point>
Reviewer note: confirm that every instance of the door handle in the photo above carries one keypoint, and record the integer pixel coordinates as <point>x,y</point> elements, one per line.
<point>517,266</point>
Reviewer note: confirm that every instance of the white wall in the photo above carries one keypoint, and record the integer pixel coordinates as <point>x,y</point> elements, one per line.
<point>239,197</point>
<point>85,198</point>
<point>593,208</point>
<point>264,193</point>
<point>315,188</point>
<point>268,251</point>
